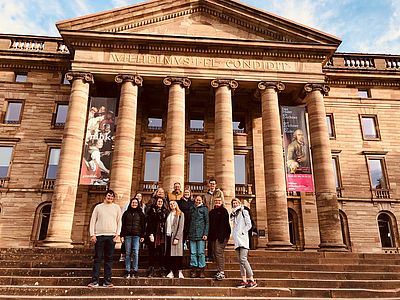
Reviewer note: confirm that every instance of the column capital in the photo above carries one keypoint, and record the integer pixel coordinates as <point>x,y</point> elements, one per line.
<point>323,88</point>
<point>232,84</point>
<point>183,81</point>
<point>85,76</point>
<point>135,79</point>
<point>278,86</point>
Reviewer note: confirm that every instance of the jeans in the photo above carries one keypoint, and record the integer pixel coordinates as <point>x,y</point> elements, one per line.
<point>245,268</point>
<point>132,248</point>
<point>197,256</point>
<point>104,248</point>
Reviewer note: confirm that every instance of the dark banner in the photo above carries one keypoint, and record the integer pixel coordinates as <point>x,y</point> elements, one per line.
<point>97,152</point>
<point>297,156</point>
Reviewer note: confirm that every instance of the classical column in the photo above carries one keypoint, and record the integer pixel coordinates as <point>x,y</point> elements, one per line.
<point>174,158</point>
<point>224,152</point>
<point>325,190</point>
<point>275,186</point>
<point>122,163</point>
<point>63,200</point>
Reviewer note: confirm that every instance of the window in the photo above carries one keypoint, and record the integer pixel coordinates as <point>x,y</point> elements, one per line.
<point>196,167</point>
<point>336,174</point>
<point>52,164</point>
<point>240,169</point>
<point>44,218</point>
<point>196,125</point>
<point>238,124</point>
<point>369,126</point>
<point>5,159</point>
<point>364,93</point>
<point>331,127</point>
<point>385,230</point>
<point>21,77</point>
<point>377,173</point>
<point>13,113</point>
<point>152,166</point>
<point>344,225</point>
<point>154,123</point>
<point>60,115</point>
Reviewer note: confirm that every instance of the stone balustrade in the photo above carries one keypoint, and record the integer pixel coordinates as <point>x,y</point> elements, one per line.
<point>32,44</point>
<point>372,62</point>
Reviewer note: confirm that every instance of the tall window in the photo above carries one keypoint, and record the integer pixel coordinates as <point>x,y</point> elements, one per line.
<point>196,167</point>
<point>336,172</point>
<point>44,218</point>
<point>240,169</point>
<point>52,164</point>
<point>152,166</point>
<point>13,113</point>
<point>377,173</point>
<point>60,115</point>
<point>331,127</point>
<point>369,126</point>
<point>385,230</point>
<point>5,159</point>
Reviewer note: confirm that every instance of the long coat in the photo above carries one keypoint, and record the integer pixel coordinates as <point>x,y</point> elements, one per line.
<point>177,233</point>
<point>241,226</point>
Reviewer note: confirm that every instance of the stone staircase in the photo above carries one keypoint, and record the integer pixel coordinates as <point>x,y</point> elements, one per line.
<point>64,274</point>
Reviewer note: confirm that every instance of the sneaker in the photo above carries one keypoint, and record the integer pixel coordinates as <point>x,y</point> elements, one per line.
<point>193,273</point>
<point>134,274</point>
<point>201,273</point>
<point>220,276</point>
<point>170,275</point>
<point>93,284</point>
<point>242,284</point>
<point>127,275</point>
<point>108,284</point>
<point>180,274</point>
<point>251,284</point>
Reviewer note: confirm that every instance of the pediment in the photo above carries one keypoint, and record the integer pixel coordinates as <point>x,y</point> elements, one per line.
<point>217,19</point>
<point>198,144</point>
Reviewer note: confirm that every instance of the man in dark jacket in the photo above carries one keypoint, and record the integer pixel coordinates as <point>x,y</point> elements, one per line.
<point>219,233</point>
<point>132,233</point>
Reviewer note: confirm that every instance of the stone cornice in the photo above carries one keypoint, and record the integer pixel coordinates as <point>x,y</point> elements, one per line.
<point>137,80</point>
<point>312,87</point>
<point>362,82</point>
<point>85,76</point>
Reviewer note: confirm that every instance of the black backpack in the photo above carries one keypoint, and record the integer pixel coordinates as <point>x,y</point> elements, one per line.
<point>253,230</point>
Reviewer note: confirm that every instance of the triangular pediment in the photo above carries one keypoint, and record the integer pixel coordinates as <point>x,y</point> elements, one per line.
<point>219,19</point>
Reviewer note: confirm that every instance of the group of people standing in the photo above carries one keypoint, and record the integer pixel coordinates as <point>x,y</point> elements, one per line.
<point>168,224</point>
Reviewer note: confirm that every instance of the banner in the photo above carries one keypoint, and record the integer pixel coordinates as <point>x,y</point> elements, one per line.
<point>297,156</point>
<point>97,151</point>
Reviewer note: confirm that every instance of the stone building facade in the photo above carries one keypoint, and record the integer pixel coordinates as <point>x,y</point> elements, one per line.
<point>200,87</point>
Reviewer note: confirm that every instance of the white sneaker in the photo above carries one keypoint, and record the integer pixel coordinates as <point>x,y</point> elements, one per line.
<point>180,275</point>
<point>170,275</point>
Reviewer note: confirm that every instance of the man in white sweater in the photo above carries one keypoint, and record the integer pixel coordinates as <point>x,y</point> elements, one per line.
<point>105,227</point>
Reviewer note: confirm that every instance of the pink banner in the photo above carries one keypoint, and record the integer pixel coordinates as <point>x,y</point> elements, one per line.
<point>299,176</point>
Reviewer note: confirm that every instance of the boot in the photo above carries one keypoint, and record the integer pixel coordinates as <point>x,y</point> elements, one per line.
<point>201,273</point>
<point>193,273</point>
<point>150,271</point>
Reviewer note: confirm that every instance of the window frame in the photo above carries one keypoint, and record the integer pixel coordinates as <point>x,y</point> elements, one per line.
<point>6,105</point>
<point>155,115</point>
<point>339,188</point>
<point>192,151</point>
<point>382,160</point>
<point>6,178</point>
<point>54,115</point>
<point>392,229</point>
<point>332,125</point>
<point>49,148</point>
<point>362,90</point>
<point>145,151</point>
<point>22,73</point>
<point>246,165</point>
<point>377,130</point>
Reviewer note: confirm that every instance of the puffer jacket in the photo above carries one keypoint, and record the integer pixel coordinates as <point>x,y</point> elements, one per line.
<point>133,222</point>
<point>198,222</point>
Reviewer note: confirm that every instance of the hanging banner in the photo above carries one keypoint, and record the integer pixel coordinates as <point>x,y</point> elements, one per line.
<point>97,151</point>
<point>297,155</point>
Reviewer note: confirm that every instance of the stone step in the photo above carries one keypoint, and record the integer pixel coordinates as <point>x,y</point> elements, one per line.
<point>195,291</point>
<point>203,282</point>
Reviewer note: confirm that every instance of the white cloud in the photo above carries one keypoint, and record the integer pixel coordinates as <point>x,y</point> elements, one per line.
<point>121,3</point>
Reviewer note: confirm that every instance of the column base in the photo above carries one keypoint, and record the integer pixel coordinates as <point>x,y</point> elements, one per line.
<point>57,243</point>
<point>279,246</point>
<point>332,247</point>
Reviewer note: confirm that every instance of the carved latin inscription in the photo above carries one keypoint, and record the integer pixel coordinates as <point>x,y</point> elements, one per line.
<point>202,62</point>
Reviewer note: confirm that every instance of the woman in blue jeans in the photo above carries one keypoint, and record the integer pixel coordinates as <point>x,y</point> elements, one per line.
<point>132,233</point>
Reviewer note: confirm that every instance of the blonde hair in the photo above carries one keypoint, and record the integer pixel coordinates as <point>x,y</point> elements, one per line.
<point>177,209</point>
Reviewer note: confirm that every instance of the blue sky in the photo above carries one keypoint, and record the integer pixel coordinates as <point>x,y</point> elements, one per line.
<point>366,26</point>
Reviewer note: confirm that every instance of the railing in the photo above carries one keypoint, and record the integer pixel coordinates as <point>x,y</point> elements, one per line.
<point>359,62</point>
<point>381,193</point>
<point>148,186</point>
<point>197,188</point>
<point>27,44</point>
<point>392,63</point>
<point>244,189</point>
<point>48,184</point>
<point>196,129</point>
<point>98,188</point>
<point>239,131</point>
<point>154,128</point>
<point>62,48</point>
<point>391,250</point>
<point>292,194</point>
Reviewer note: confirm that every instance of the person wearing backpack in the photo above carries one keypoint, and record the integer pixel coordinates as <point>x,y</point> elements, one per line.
<point>241,226</point>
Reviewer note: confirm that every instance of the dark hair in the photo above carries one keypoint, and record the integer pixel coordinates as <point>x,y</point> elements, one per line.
<point>177,183</point>
<point>110,192</point>
<point>130,203</point>
<point>212,179</point>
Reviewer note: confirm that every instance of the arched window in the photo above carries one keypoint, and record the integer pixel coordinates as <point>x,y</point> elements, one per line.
<point>386,230</point>
<point>344,224</point>
<point>44,216</point>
